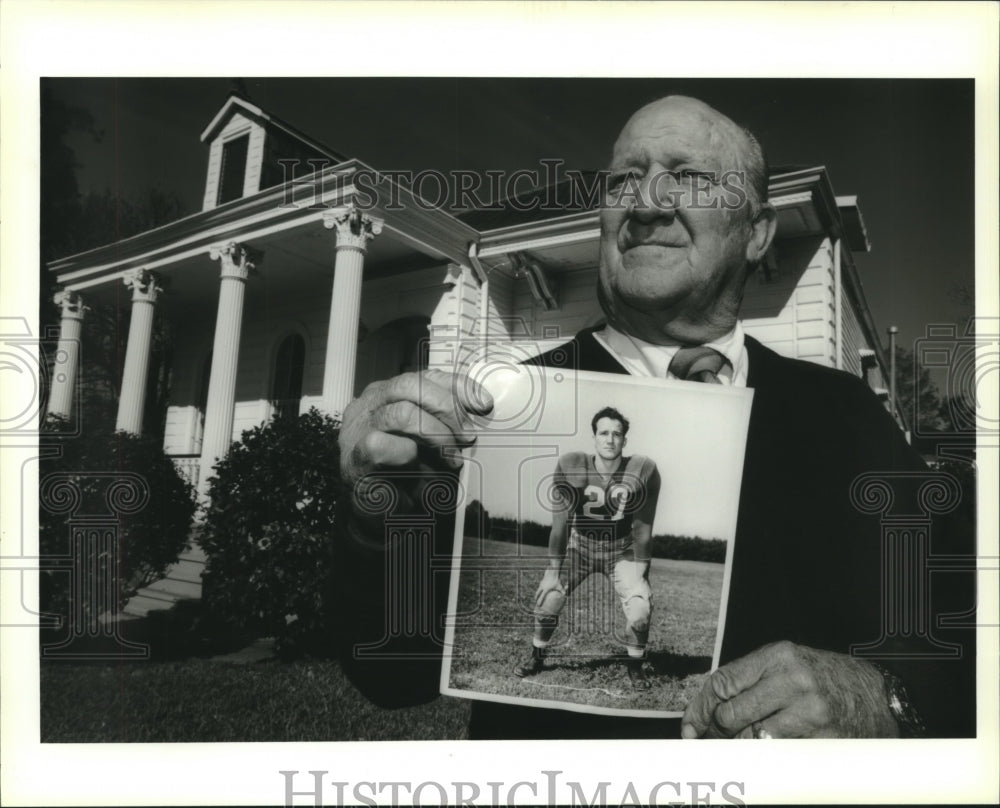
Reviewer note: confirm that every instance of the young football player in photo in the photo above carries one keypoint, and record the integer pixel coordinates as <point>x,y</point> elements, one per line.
<point>602,521</point>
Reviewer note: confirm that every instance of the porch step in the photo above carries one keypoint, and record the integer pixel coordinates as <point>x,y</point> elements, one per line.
<point>181,582</point>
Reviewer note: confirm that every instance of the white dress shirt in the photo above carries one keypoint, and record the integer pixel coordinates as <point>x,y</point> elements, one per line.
<point>646,359</point>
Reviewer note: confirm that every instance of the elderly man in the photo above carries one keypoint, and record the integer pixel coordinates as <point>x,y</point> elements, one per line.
<point>685,221</point>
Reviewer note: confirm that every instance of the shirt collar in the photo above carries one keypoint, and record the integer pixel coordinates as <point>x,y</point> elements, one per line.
<point>643,358</point>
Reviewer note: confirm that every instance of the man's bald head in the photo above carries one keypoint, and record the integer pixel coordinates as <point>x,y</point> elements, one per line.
<point>718,127</point>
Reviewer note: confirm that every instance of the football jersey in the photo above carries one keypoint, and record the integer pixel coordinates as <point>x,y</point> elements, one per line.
<point>603,508</point>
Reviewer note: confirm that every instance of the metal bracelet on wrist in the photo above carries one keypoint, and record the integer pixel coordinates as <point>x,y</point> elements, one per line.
<point>910,723</point>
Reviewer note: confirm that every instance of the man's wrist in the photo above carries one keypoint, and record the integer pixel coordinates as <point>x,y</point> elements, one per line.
<point>900,706</point>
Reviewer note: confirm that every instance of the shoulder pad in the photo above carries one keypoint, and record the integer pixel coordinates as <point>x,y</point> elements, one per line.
<point>640,466</point>
<point>573,463</point>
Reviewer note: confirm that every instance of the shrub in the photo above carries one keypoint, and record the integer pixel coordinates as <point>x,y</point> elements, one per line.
<point>118,479</point>
<point>477,520</point>
<point>689,548</point>
<point>267,531</point>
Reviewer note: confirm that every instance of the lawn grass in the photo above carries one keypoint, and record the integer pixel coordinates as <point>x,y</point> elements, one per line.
<point>209,701</point>
<point>584,666</point>
<point>186,697</point>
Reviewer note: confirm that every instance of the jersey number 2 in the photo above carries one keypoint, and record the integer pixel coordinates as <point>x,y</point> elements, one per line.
<point>593,508</point>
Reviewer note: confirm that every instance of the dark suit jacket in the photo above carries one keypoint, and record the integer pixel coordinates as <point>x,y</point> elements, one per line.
<point>807,563</point>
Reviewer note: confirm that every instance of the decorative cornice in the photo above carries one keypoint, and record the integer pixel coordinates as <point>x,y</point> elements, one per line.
<point>145,285</point>
<point>434,232</point>
<point>71,304</point>
<point>238,260</point>
<point>353,227</point>
<point>576,228</point>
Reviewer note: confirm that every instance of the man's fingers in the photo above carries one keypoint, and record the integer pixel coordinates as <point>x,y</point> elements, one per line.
<point>430,393</point>
<point>450,398</point>
<point>422,409</point>
<point>470,395</point>
<point>406,419</point>
<point>770,694</point>
<point>724,684</point>
<point>383,449</point>
<point>806,716</point>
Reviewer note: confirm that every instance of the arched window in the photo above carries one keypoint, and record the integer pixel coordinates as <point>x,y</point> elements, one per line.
<point>289,365</point>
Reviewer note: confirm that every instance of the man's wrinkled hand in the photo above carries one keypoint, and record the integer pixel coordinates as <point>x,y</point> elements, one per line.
<point>791,691</point>
<point>404,423</point>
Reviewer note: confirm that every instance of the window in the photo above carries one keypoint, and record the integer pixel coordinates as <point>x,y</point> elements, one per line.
<point>289,364</point>
<point>233,170</point>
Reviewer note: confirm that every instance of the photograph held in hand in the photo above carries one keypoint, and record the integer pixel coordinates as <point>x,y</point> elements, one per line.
<point>593,547</point>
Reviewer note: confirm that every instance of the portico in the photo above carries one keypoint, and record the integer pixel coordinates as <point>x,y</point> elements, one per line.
<point>278,270</point>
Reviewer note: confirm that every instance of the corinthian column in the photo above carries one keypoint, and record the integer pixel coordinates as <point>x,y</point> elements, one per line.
<point>354,230</point>
<point>67,354</point>
<point>132,400</point>
<point>237,262</point>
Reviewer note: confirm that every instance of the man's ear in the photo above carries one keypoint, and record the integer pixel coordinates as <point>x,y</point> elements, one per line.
<point>762,231</point>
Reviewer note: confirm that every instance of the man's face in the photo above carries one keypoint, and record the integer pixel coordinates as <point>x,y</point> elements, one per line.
<point>609,438</point>
<point>674,247</point>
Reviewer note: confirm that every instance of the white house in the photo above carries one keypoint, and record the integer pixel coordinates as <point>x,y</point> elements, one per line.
<point>297,294</point>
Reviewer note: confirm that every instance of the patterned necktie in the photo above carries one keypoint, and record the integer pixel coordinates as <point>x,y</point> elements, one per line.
<point>698,364</point>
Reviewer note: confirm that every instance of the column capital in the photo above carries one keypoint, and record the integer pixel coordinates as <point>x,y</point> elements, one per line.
<point>71,304</point>
<point>238,260</point>
<point>353,227</point>
<point>145,285</point>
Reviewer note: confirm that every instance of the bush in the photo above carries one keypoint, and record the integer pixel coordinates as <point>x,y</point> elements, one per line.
<point>109,478</point>
<point>689,548</point>
<point>267,531</point>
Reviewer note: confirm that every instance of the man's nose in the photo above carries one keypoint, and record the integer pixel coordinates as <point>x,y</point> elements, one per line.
<point>656,198</point>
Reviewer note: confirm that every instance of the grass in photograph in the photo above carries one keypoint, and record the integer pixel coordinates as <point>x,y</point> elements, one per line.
<point>494,628</point>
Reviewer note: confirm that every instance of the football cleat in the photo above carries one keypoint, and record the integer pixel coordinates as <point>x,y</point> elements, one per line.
<point>636,674</point>
<point>532,665</point>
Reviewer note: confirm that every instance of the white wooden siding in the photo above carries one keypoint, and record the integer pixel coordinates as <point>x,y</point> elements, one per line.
<point>249,414</point>
<point>468,297</point>
<point>576,294</point>
<point>852,340</point>
<point>793,314</point>
<point>500,319</point>
<point>255,161</point>
<point>454,327</point>
<point>237,126</point>
<point>182,430</point>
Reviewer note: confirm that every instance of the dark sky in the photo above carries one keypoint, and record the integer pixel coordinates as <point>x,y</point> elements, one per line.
<point>904,147</point>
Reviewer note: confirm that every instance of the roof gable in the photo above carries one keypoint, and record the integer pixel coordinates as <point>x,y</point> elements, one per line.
<point>234,104</point>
